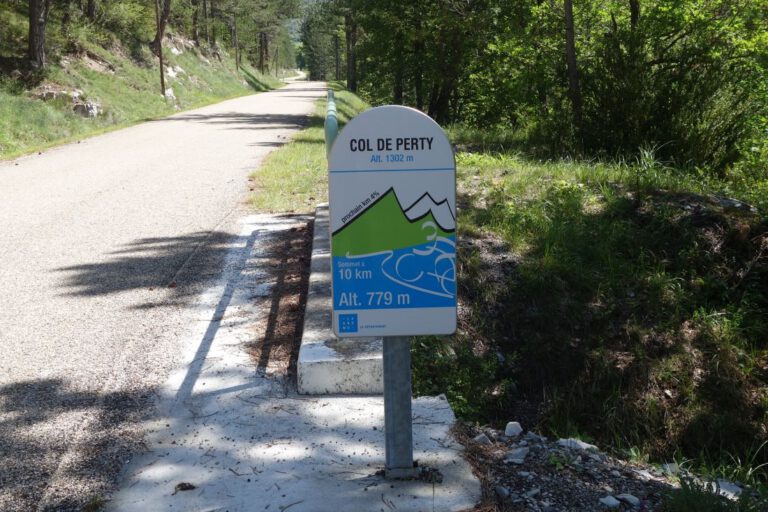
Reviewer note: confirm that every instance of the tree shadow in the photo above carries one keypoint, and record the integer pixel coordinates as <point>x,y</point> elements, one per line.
<point>253,82</point>
<point>244,121</point>
<point>178,263</point>
<point>41,420</point>
<point>292,92</point>
<point>285,320</point>
<point>44,424</point>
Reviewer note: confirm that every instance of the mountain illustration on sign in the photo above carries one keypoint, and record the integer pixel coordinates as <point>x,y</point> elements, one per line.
<point>386,225</point>
<point>411,249</point>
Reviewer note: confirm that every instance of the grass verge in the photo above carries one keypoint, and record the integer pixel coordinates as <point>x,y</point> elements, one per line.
<point>295,177</point>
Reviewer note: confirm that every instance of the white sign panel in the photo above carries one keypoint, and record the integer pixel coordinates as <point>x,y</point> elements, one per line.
<point>393,226</point>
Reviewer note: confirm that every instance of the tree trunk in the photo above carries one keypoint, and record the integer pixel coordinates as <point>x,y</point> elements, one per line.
<point>205,23</point>
<point>213,21</point>
<point>418,71</point>
<point>397,93</point>
<point>38,18</point>
<point>337,55</point>
<point>440,109</point>
<point>277,60</point>
<point>634,13</point>
<point>91,10</point>
<point>66,18</point>
<point>162,22</point>
<point>574,88</point>
<point>158,20</point>
<point>196,22</point>
<point>263,44</point>
<point>351,33</point>
<point>236,42</point>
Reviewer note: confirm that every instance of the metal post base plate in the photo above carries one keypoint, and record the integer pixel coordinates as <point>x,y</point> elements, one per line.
<point>401,473</point>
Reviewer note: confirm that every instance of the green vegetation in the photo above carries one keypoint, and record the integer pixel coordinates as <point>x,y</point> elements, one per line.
<point>127,95</point>
<point>294,178</point>
<point>614,189</point>
<point>105,57</point>
<point>621,302</point>
<point>594,78</point>
<point>627,303</point>
<point>613,242</point>
<point>694,496</point>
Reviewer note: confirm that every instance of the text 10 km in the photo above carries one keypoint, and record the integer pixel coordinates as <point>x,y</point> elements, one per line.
<point>346,274</point>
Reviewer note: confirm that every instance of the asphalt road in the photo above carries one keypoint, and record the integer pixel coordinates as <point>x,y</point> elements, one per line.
<point>104,247</point>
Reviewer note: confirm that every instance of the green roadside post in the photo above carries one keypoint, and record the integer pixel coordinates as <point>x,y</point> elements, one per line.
<point>331,124</point>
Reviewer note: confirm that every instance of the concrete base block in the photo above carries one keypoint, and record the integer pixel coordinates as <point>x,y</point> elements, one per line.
<point>328,364</point>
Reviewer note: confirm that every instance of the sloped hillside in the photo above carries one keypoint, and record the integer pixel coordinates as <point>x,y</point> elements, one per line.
<point>98,81</point>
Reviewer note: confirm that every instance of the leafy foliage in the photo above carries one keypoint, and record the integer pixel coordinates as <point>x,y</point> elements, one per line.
<point>687,77</point>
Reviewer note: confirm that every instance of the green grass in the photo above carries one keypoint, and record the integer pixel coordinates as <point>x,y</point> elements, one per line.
<point>633,309</point>
<point>295,177</point>
<point>131,94</point>
<point>697,496</point>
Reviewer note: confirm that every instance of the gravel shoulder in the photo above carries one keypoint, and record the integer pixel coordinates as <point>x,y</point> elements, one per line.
<point>106,245</point>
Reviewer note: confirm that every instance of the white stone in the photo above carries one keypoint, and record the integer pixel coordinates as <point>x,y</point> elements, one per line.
<point>533,492</point>
<point>513,429</point>
<point>502,492</point>
<point>87,109</point>
<point>610,502</point>
<point>169,95</point>
<point>629,499</point>
<point>728,489</point>
<point>481,439</point>
<point>517,455</point>
<point>643,474</point>
<point>670,468</point>
<point>576,444</point>
<point>531,436</point>
<point>176,51</point>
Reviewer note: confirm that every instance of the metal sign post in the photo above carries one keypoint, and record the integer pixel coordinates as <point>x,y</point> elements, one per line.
<point>398,428</point>
<point>392,191</point>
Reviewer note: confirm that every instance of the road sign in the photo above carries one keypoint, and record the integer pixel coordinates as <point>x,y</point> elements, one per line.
<point>393,226</point>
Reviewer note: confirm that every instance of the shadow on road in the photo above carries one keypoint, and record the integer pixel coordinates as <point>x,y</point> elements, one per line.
<point>241,120</point>
<point>40,420</point>
<point>153,264</point>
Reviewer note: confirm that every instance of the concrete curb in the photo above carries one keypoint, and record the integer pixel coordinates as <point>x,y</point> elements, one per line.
<point>242,440</point>
<point>327,364</point>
